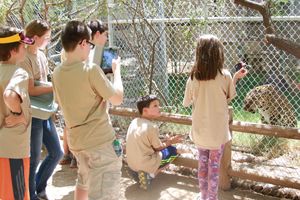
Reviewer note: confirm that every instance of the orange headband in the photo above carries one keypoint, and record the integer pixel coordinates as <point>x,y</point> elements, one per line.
<point>10,39</point>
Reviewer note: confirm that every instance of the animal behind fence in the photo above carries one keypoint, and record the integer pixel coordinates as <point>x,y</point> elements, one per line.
<point>274,109</point>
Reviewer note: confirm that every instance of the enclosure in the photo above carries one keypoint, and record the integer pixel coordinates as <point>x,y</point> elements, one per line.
<point>156,40</point>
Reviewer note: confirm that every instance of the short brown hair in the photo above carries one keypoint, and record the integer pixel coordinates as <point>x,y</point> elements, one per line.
<point>36,27</point>
<point>73,33</point>
<point>5,49</point>
<point>209,58</point>
<point>144,102</point>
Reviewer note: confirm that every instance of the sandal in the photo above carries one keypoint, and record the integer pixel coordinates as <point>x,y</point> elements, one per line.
<point>65,160</point>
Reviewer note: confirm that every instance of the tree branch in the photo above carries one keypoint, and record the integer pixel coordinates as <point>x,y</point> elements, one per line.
<point>270,38</point>
<point>263,9</point>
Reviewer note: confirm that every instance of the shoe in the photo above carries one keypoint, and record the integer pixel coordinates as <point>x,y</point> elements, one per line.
<point>66,160</point>
<point>73,163</point>
<point>132,174</point>
<point>42,196</point>
<point>144,180</point>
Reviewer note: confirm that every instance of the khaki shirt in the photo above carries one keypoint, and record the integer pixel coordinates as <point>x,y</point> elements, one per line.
<point>142,137</point>
<point>15,141</point>
<point>36,66</point>
<point>210,117</point>
<point>80,90</point>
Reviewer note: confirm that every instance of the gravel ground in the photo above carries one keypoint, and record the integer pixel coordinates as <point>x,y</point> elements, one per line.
<point>164,187</point>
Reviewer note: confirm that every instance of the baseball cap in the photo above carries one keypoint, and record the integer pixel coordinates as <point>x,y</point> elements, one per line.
<point>18,37</point>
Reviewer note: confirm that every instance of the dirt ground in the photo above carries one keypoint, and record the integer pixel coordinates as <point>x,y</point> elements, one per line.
<point>164,187</point>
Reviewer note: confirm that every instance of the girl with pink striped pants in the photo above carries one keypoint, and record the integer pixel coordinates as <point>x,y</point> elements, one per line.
<point>209,89</point>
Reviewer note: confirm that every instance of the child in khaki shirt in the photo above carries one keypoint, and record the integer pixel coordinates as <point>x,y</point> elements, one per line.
<point>146,154</point>
<point>80,88</point>
<point>14,116</point>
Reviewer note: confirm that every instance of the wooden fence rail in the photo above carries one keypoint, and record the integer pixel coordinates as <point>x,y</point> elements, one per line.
<point>226,171</point>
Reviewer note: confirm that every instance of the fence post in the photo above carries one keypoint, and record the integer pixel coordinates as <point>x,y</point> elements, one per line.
<point>110,6</point>
<point>224,181</point>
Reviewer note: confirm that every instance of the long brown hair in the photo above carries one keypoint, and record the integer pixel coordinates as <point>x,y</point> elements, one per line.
<point>36,27</point>
<point>209,58</point>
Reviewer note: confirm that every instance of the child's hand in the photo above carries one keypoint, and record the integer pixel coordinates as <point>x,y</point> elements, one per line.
<point>241,73</point>
<point>13,120</point>
<point>176,139</point>
<point>116,64</point>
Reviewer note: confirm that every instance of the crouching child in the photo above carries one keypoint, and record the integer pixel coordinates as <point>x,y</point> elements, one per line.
<point>146,154</point>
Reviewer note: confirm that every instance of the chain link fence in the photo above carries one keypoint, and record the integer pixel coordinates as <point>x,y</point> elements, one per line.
<point>157,44</point>
<point>156,40</point>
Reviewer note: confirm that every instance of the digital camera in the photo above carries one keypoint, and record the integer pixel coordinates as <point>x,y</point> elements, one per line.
<point>109,53</point>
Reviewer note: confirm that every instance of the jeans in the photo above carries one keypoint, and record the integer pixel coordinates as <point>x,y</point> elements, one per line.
<point>42,132</point>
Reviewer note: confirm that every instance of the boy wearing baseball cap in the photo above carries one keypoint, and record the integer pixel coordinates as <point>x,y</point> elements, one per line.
<point>14,116</point>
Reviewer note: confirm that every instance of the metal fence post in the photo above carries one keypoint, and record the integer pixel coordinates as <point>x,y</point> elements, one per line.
<point>110,5</point>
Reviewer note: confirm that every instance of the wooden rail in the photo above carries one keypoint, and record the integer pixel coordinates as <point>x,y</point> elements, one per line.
<point>247,127</point>
<point>226,171</point>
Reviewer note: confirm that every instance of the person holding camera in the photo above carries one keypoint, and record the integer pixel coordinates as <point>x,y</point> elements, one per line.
<point>99,38</point>
<point>209,89</point>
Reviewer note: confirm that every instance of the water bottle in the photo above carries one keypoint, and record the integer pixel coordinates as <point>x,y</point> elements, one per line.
<point>117,147</point>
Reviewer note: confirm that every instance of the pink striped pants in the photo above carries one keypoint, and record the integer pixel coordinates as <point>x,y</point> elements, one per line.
<point>208,172</point>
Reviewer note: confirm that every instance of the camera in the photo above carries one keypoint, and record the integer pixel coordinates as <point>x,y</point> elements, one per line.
<point>109,53</point>
<point>240,65</point>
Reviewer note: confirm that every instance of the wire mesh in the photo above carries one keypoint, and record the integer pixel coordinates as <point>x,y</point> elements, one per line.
<point>166,42</point>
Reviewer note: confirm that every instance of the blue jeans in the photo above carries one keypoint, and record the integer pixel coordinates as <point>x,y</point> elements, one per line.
<point>42,132</point>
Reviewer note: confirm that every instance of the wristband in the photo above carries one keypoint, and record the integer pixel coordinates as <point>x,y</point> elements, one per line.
<point>16,113</point>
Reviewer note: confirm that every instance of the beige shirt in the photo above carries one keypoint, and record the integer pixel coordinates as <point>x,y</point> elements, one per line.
<point>210,117</point>
<point>15,141</point>
<point>36,66</point>
<point>142,137</point>
<point>95,55</point>
<point>80,90</point>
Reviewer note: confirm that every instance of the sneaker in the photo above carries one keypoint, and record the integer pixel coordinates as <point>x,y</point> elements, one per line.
<point>144,180</point>
<point>42,196</point>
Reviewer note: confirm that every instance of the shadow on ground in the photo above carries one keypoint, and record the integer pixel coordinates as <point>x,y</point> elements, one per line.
<point>164,187</point>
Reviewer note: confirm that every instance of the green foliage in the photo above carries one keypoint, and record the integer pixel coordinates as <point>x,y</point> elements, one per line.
<point>3,9</point>
<point>278,7</point>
